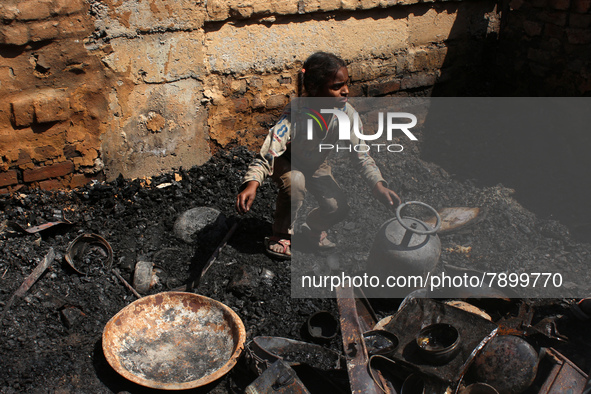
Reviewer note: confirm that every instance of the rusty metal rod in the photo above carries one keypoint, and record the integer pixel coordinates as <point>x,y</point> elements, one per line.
<point>191,285</point>
<point>118,275</point>
<point>30,281</point>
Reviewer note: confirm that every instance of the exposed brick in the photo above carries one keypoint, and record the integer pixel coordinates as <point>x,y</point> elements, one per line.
<point>217,10</point>
<point>51,106</point>
<point>255,83</point>
<point>552,30</point>
<point>41,31</point>
<point>283,7</point>
<point>579,36</point>
<point>419,61</point>
<point>14,34</point>
<point>532,29</point>
<point>23,113</point>
<point>580,20</point>
<point>560,4</point>
<point>79,180</point>
<point>581,6</point>
<point>349,5</point>
<point>276,101</point>
<point>556,17</point>
<point>241,104</point>
<point>320,5</point>
<point>553,45</point>
<point>46,152</point>
<point>418,80</point>
<point>12,189</point>
<point>51,184</point>
<point>68,7</point>
<point>380,89</point>
<point>538,3</point>
<point>241,12</point>
<point>8,12</point>
<point>8,178</point>
<point>23,160</point>
<point>238,86</point>
<point>356,91</point>
<point>33,10</point>
<point>369,4</point>
<point>257,102</point>
<point>539,56</point>
<point>360,71</point>
<point>47,172</point>
<point>74,26</point>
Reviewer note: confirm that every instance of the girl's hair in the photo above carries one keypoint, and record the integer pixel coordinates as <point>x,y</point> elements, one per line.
<point>317,71</point>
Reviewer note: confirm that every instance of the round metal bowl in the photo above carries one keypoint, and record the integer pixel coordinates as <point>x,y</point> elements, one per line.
<point>438,343</point>
<point>174,341</point>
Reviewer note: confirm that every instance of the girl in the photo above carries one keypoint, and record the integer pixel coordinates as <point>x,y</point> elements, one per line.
<point>300,167</point>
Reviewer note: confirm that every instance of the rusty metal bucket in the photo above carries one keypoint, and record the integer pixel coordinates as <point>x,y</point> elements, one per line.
<point>174,341</point>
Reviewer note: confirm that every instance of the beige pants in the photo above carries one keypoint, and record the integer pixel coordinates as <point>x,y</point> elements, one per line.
<point>293,184</point>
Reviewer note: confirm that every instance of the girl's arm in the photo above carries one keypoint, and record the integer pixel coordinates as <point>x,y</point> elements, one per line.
<point>262,166</point>
<point>274,146</point>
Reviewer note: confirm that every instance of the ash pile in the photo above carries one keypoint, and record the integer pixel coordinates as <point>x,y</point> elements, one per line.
<point>72,260</point>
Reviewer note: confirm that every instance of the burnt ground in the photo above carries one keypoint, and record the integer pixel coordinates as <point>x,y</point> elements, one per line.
<point>51,337</point>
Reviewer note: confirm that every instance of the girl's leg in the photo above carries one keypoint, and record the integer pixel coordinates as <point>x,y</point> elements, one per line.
<point>332,201</point>
<point>292,190</point>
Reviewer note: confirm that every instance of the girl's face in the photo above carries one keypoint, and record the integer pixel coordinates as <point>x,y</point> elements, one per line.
<point>337,87</point>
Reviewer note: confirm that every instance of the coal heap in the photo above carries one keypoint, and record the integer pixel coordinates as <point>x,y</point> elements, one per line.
<point>51,336</point>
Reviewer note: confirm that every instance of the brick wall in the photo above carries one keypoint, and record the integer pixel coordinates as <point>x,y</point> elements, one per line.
<point>544,48</point>
<point>51,111</point>
<point>99,88</point>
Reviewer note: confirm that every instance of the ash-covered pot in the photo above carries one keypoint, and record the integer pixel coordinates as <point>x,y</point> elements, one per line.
<point>405,245</point>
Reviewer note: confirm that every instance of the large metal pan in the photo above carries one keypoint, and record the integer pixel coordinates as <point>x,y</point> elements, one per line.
<point>174,340</point>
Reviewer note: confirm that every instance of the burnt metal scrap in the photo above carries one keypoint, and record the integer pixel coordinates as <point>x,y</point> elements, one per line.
<point>436,348</point>
<point>354,345</point>
<point>29,281</point>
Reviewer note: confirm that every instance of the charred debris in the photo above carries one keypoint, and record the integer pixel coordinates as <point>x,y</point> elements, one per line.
<point>71,260</point>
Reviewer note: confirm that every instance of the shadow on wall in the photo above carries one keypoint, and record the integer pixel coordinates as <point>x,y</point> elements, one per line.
<point>546,164</point>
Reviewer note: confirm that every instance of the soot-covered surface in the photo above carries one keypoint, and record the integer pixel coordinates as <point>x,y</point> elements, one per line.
<point>51,337</point>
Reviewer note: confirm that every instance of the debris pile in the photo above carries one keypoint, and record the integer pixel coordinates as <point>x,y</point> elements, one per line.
<point>70,261</point>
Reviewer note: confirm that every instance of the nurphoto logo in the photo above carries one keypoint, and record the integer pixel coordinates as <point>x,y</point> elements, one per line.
<point>393,125</point>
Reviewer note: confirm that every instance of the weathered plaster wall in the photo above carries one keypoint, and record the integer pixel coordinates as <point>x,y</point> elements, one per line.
<point>141,87</point>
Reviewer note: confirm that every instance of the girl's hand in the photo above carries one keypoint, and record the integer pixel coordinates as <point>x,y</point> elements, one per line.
<point>386,196</point>
<point>246,197</point>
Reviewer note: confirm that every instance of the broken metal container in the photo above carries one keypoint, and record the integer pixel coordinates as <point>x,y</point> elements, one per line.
<point>508,363</point>
<point>418,313</point>
<point>438,343</point>
<point>278,378</point>
<point>174,341</point>
<point>322,325</point>
<point>380,342</point>
<point>85,249</point>
<point>563,376</point>
<point>263,351</point>
<point>405,245</point>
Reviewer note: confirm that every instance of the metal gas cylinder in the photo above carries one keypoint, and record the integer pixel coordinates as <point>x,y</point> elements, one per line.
<point>405,245</point>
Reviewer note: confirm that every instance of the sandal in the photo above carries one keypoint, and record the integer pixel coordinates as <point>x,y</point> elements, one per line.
<point>324,242</point>
<point>285,243</point>
<point>317,240</point>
